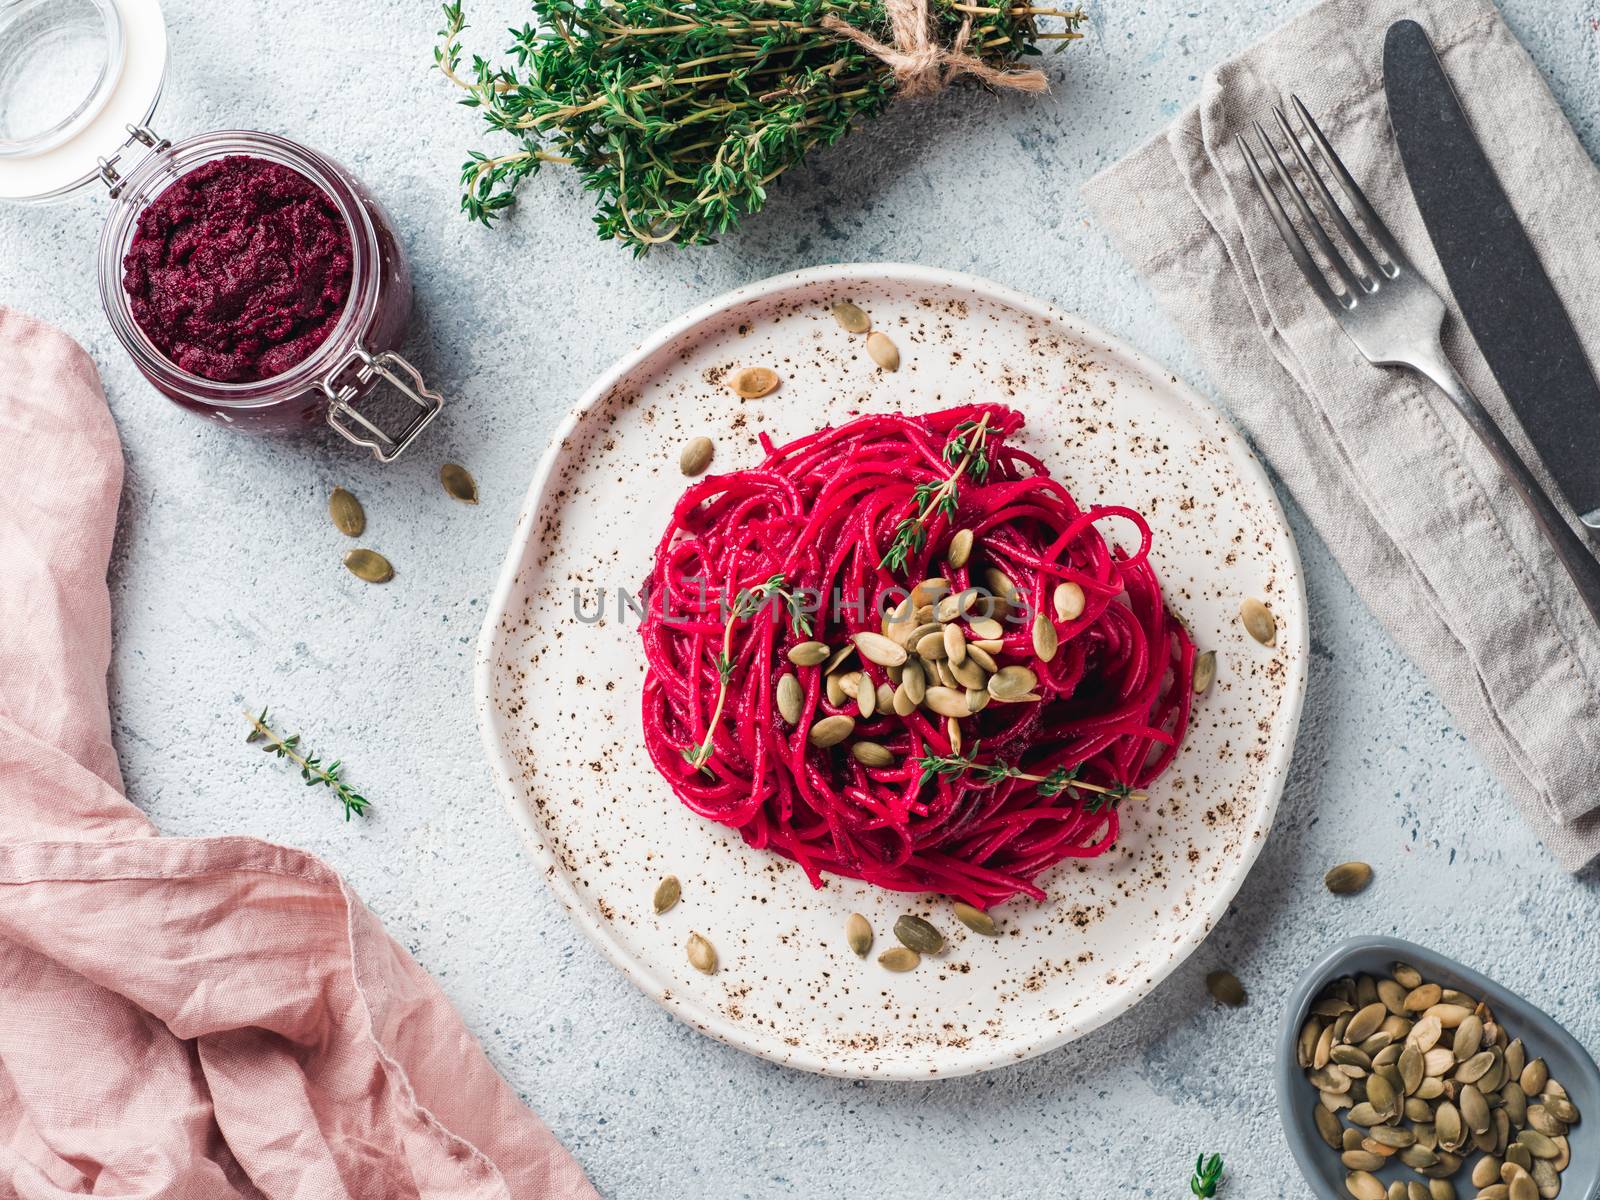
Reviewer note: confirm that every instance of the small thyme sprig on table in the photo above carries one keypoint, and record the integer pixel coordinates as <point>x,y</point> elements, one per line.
<point>746,604</point>
<point>968,450</point>
<point>991,773</point>
<point>678,117</point>
<point>1207,1174</point>
<point>311,767</point>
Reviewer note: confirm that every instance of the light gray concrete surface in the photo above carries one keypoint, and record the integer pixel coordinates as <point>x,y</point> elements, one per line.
<point>229,592</point>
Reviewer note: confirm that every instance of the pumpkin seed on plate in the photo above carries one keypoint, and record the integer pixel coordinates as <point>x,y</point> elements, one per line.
<point>752,383</point>
<point>883,351</point>
<point>459,483</point>
<point>1259,622</point>
<point>667,893</point>
<point>876,648</point>
<point>808,654</point>
<point>960,549</point>
<point>899,958</point>
<point>702,955</point>
<point>348,515</point>
<point>791,698</point>
<point>696,456</point>
<point>1406,976</point>
<point>918,935</point>
<point>871,754</point>
<point>368,565</point>
<point>850,316</point>
<point>976,919</point>
<point>1045,640</point>
<point>858,932</point>
<point>1068,601</point>
<point>1205,671</point>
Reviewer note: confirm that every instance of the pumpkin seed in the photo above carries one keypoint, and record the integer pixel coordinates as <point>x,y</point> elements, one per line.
<point>947,702</point>
<point>1418,1157</point>
<point>1447,1124</point>
<point>840,657</point>
<point>1364,1186</point>
<point>955,645</point>
<point>914,681</point>
<point>1328,1127</point>
<point>1544,1121</point>
<point>960,549</point>
<point>1441,1189</point>
<point>1307,1045</point>
<point>1560,1107</point>
<point>348,516</point>
<point>1365,1114</point>
<point>830,731</point>
<point>1259,622</point>
<point>1514,1103</point>
<point>1474,1109</point>
<point>1419,1191</point>
<point>1406,976</point>
<point>866,697</point>
<point>1068,601</point>
<point>1475,1067</point>
<point>1000,586</point>
<point>1365,1023</point>
<point>1397,1190</point>
<point>752,383</point>
<point>1381,1094</point>
<point>1392,1136</point>
<point>858,932</point>
<point>918,934</point>
<point>1423,997</point>
<point>883,351</point>
<point>1348,878</point>
<point>1351,1056</point>
<point>1045,640</point>
<point>1517,1155</point>
<point>1418,1111</point>
<point>850,316</point>
<point>975,919</point>
<point>1363,1160</point>
<point>834,690</point>
<point>955,606</point>
<point>986,629</point>
<point>970,675</point>
<point>885,698</point>
<point>702,955</point>
<point>1539,1145</point>
<point>1522,1187</point>
<point>952,733</point>
<point>899,958</point>
<point>369,565</point>
<point>1438,1061</point>
<point>1319,1057</point>
<point>850,683</point>
<point>808,654</point>
<point>1411,1071</point>
<point>1516,1059</point>
<point>791,698</point>
<point>876,648</point>
<point>1225,988</point>
<point>1425,1034</point>
<point>977,700</point>
<point>1205,671</point>
<point>1485,1171</point>
<point>696,456</point>
<point>871,754</point>
<point>1011,683</point>
<point>1468,1039</point>
<point>1534,1077</point>
<point>667,893</point>
<point>459,483</point>
<point>1546,1178</point>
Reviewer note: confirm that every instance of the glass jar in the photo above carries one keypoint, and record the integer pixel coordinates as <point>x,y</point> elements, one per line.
<point>59,145</point>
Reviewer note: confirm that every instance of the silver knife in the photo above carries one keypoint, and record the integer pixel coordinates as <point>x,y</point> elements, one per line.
<point>1499,284</point>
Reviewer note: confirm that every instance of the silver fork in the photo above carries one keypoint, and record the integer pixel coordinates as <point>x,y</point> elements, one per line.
<point>1392,314</point>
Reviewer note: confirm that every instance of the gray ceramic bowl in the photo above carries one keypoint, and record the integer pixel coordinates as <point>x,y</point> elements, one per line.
<point>1568,1062</point>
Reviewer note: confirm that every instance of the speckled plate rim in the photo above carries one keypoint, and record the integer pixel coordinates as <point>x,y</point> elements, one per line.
<point>684,1007</point>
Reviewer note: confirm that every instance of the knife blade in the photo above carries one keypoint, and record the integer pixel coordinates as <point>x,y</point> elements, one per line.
<point>1506,297</point>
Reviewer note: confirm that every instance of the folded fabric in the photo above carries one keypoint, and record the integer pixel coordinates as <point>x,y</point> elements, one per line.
<point>1414,509</point>
<point>189,1017</point>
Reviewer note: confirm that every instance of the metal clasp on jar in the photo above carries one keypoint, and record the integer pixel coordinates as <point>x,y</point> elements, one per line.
<point>398,374</point>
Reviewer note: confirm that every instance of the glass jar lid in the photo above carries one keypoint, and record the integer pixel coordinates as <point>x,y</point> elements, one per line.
<point>77,79</point>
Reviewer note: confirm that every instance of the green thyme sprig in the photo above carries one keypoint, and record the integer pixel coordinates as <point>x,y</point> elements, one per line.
<point>678,117</point>
<point>311,767</point>
<point>1207,1175</point>
<point>747,602</point>
<point>989,774</point>
<point>968,451</point>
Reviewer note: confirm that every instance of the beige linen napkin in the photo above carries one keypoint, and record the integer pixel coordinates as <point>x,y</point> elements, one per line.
<point>1428,530</point>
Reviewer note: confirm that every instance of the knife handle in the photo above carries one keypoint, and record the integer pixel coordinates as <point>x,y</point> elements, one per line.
<point>1573,552</point>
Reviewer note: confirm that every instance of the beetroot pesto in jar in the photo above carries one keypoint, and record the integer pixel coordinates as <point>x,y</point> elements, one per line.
<point>239,270</point>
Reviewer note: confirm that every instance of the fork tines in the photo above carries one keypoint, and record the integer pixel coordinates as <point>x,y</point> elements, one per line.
<point>1368,272</point>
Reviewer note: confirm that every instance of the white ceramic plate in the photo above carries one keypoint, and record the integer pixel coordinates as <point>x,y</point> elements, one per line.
<point>559,695</point>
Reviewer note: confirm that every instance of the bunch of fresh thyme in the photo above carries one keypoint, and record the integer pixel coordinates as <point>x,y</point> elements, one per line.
<point>311,767</point>
<point>679,115</point>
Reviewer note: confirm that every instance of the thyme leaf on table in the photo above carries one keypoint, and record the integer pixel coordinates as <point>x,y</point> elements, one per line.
<point>312,768</point>
<point>678,116</point>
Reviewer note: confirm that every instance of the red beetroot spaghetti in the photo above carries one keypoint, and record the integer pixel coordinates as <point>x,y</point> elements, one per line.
<point>898,651</point>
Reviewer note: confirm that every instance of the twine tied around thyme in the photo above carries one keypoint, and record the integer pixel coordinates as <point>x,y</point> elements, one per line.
<point>921,66</point>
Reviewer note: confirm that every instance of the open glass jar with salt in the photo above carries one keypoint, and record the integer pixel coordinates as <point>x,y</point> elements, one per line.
<point>251,279</point>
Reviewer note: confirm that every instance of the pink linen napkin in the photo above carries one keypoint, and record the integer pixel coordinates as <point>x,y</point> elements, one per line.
<point>189,1017</point>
